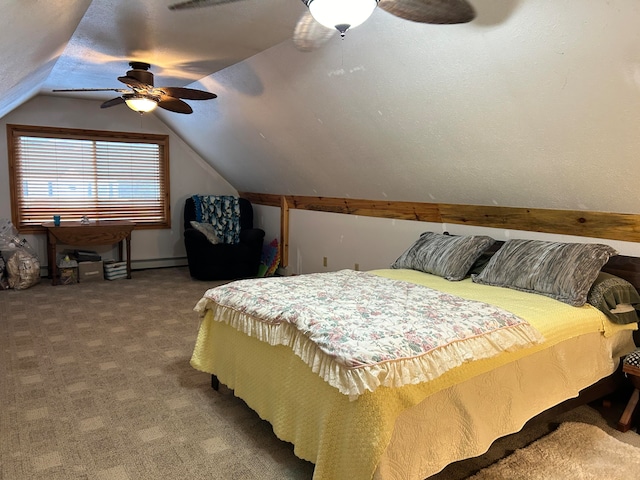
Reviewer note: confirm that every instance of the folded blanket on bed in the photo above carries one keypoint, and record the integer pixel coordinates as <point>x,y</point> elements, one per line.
<point>360,331</point>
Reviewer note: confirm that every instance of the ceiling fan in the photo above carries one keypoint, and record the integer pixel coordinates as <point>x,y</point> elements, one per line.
<point>324,17</point>
<point>143,97</point>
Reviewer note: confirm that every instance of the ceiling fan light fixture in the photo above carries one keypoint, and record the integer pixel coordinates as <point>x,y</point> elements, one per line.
<point>140,103</point>
<point>341,14</point>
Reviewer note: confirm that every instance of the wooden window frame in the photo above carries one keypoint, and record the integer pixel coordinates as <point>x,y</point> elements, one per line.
<point>16,131</point>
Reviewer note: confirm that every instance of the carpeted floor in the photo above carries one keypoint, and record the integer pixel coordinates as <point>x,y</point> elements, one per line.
<point>96,384</point>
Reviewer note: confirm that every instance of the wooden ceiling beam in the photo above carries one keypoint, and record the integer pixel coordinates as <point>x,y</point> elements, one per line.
<point>605,225</point>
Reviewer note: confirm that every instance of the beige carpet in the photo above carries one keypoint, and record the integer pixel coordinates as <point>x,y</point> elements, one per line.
<point>95,383</point>
<point>574,451</point>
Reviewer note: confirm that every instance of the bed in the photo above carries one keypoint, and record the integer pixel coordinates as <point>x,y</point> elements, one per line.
<point>410,404</point>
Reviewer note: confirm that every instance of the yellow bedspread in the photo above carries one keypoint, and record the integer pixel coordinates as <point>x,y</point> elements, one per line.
<point>555,320</point>
<point>343,438</point>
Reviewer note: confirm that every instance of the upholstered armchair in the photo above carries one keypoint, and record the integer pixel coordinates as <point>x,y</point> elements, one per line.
<point>218,258</point>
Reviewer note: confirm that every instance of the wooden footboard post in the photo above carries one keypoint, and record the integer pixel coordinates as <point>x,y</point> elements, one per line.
<point>215,383</point>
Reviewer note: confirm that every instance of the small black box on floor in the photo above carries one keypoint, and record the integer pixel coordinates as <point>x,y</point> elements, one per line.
<point>86,256</point>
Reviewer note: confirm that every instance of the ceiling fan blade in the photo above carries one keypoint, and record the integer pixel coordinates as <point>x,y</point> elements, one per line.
<point>198,4</point>
<point>90,90</point>
<point>309,34</point>
<point>134,83</point>
<point>174,105</point>
<point>441,12</point>
<point>188,93</point>
<point>113,102</point>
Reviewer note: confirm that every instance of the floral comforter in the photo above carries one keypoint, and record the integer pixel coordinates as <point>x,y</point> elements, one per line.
<point>360,331</point>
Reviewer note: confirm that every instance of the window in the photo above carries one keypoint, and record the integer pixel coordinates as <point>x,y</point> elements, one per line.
<point>73,173</point>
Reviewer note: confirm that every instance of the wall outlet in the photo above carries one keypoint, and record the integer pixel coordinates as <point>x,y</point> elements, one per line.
<point>324,261</point>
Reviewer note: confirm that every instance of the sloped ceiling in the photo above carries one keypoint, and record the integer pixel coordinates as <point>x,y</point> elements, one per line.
<point>31,39</point>
<point>87,44</point>
<point>182,46</point>
<point>533,104</point>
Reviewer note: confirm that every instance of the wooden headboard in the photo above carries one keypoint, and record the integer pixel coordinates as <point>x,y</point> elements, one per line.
<point>625,267</point>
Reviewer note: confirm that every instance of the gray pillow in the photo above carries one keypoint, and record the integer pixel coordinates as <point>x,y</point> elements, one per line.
<point>564,271</point>
<point>207,230</point>
<point>447,256</point>
<point>615,297</point>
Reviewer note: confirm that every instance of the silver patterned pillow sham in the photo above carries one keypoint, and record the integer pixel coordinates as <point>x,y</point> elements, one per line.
<point>447,256</point>
<point>564,271</point>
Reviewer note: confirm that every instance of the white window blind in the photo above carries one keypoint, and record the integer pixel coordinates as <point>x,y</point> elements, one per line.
<point>101,175</point>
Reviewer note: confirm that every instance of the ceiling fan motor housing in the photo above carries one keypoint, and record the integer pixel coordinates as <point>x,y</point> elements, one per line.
<point>140,71</point>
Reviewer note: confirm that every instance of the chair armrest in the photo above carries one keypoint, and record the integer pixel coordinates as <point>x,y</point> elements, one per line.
<point>252,235</point>
<point>195,237</point>
<point>249,235</point>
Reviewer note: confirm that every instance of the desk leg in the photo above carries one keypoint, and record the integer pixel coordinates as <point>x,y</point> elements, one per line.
<point>128,241</point>
<point>49,265</point>
<point>51,253</point>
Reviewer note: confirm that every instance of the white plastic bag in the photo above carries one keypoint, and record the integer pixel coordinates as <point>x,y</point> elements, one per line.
<point>23,269</point>
<point>22,266</point>
<point>4,281</point>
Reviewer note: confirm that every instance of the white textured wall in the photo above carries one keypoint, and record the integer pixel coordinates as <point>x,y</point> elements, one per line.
<point>268,219</point>
<point>535,103</point>
<point>375,243</point>
<point>189,174</point>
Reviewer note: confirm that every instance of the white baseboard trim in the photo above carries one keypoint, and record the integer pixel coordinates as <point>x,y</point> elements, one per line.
<point>143,264</point>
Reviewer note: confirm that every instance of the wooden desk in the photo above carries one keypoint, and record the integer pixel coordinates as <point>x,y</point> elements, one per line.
<point>100,232</point>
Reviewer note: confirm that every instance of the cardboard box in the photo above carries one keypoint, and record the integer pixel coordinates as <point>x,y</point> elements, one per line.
<point>90,271</point>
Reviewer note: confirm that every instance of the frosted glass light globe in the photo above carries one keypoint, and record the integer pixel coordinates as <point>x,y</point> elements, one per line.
<point>141,104</point>
<point>342,14</point>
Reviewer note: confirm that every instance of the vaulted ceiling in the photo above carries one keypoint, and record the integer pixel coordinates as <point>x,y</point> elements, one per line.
<point>533,104</point>
<point>88,44</point>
